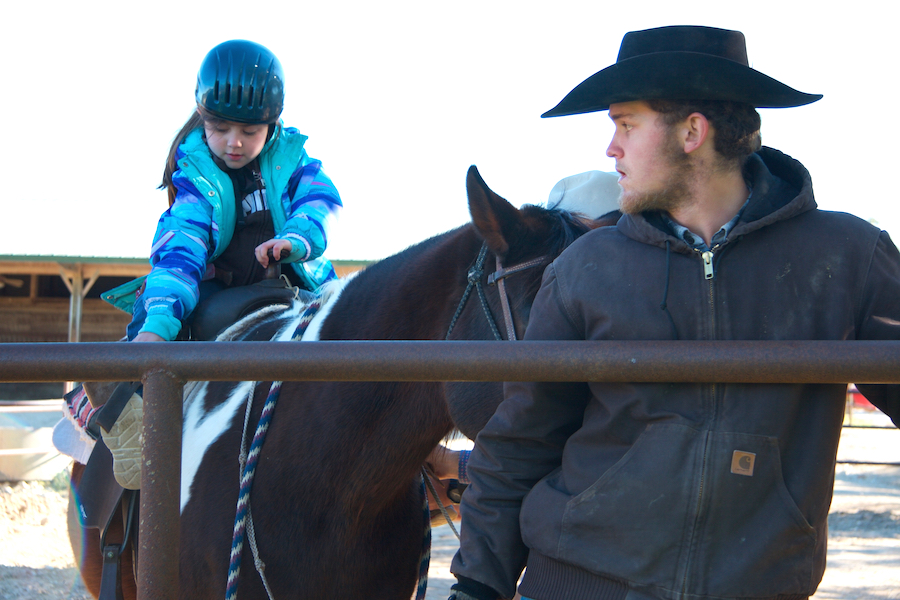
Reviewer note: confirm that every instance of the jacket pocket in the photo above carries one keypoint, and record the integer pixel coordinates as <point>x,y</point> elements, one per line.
<point>751,539</point>
<point>631,523</point>
<point>682,511</point>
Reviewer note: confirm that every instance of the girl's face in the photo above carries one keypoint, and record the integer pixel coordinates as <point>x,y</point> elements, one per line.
<point>237,144</point>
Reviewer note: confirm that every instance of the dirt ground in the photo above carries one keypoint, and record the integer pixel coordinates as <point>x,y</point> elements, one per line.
<point>863,548</point>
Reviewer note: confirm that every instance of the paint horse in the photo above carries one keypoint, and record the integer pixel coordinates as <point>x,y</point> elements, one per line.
<point>337,505</point>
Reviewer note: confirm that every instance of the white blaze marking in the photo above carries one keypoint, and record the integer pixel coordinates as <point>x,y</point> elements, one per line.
<point>315,327</point>
<point>201,430</point>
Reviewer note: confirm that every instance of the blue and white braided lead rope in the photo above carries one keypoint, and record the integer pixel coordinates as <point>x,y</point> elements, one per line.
<point>243,503</point>
<point>248,465</point>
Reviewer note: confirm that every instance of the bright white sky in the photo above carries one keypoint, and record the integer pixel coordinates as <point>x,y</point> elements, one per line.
<point>398,99</point>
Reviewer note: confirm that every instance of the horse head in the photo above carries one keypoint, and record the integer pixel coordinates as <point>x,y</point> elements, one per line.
<point>520,243</point>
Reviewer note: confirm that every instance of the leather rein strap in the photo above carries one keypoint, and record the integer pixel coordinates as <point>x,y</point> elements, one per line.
<point>497,277</point>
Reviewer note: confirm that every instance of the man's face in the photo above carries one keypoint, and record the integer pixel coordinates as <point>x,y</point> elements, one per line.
<point>653,168</point>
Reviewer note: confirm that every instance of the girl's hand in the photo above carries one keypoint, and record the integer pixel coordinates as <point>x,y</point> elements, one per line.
<point>280,249</point>
<point>146,336</point>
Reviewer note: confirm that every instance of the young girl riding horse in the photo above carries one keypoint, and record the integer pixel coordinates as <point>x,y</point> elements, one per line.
<point>241,187</point>
<point>240,184</point>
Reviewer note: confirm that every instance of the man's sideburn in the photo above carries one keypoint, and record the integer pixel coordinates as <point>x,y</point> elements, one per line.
<point>676,189</point>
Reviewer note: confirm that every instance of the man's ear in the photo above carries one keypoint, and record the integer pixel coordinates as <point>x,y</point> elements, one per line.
<point>696,131</point>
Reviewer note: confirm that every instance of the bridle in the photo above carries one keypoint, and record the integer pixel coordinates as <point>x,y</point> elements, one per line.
<point>474,277</point>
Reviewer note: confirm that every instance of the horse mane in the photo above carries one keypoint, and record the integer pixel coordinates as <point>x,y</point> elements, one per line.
<point>558,229</point>
<point>564,227</point>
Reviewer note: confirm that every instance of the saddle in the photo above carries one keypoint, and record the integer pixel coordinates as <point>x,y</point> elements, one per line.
<point>224,308</point>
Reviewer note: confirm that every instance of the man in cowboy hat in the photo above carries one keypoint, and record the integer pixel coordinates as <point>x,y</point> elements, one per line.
<point>636,491</point>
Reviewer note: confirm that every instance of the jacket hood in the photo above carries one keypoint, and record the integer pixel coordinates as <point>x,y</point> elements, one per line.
<point>782,188</point>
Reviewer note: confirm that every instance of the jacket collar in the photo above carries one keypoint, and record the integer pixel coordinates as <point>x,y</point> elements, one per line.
<point>782,188</point>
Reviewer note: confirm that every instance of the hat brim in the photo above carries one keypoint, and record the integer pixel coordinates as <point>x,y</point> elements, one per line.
<point>678,76</point>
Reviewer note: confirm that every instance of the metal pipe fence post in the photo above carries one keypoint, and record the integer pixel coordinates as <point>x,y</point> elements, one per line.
<point>161,486</point>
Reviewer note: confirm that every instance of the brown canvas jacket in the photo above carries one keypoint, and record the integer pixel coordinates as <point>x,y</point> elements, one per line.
<point>682,490</point>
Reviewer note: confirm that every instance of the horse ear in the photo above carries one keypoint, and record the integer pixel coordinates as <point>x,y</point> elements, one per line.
<point>493,216</point>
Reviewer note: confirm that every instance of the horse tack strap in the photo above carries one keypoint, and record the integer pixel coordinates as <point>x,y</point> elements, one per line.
<point>474,281</point>
<point>98,494</point>
<point>429,484</point>
<point>498,277</point>
<point>111,577</point>
<point>500,274</point>
<point>504,300</point>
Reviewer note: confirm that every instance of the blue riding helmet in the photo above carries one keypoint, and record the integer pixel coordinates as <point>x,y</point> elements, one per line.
<point>241,81</point>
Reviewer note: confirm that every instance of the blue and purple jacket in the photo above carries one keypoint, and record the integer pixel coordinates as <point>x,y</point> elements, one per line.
<point>199,225</point>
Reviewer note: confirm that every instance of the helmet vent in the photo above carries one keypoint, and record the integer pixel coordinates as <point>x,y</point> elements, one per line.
<point>241,81</point>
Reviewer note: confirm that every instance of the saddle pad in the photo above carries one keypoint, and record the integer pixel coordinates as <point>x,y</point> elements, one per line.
<point>72,441</point>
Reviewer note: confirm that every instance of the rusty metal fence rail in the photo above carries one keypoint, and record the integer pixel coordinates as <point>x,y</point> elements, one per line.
<point>164,367</point>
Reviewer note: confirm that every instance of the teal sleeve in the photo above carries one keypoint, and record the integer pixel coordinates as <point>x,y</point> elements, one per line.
<point>165,326</point>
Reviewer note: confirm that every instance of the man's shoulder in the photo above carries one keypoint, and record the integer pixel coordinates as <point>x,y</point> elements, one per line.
<point>608,234</point>
<point>828,222</point>
<point>843,218</point>
<point>603,250</point>
<point>603,240</point>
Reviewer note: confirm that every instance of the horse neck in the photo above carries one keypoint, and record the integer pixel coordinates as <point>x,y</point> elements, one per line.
<point>406,296</point>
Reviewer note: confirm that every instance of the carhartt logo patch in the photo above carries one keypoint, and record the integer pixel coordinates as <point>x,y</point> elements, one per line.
<point>742,463</point>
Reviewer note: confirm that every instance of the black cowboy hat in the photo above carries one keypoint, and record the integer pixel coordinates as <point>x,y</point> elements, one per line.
<point>680,63</point>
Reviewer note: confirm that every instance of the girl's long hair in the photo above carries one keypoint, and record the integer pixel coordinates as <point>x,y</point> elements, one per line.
<point>196,120</point>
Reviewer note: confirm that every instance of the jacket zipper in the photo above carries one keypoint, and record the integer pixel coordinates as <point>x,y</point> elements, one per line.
<point>708,274</point>
<point>697,515</point>
<point>707,257</point>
